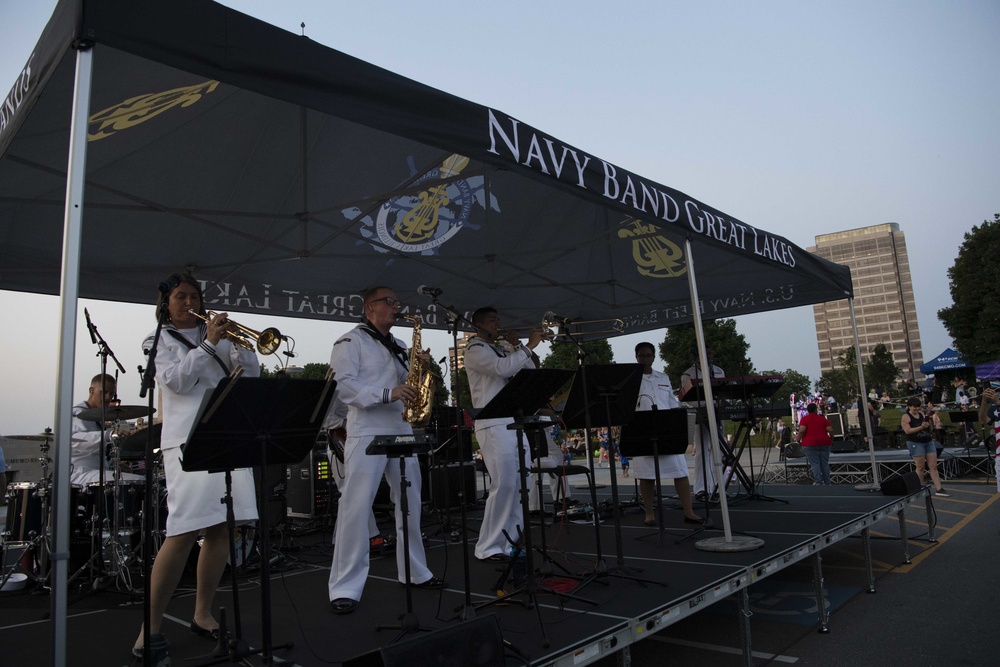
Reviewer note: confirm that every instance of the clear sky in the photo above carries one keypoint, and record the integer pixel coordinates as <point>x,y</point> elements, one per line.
<point>798,118</point>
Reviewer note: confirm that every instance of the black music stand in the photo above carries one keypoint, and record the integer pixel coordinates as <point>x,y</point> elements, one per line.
<point>527,392</point>
<point>643,436</point>
<point>605,396</point>
<point>255,422</point>
<point>402,447</point>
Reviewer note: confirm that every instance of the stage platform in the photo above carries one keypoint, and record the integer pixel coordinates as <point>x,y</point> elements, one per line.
<point>855,467</point>
<point>795,522</point>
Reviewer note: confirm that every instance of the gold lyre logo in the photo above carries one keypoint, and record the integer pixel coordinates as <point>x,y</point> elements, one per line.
<point>654,255</point>
<point>144,107</point>
<point>421,222</point>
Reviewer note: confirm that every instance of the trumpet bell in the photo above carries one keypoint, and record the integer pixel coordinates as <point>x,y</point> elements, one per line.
<point>268,341</point>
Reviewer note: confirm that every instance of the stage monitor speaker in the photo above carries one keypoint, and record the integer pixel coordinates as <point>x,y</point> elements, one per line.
<point>836,420</point>
<point>903,485</point>
<point>475,643</point>
<point>444,478</point>
<point>309,486</point>
<point>844,446</point>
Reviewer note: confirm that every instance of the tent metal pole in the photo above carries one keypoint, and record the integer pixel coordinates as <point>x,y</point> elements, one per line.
<point>69,293</point>
<point>713,424</point>
<point>876,484</point>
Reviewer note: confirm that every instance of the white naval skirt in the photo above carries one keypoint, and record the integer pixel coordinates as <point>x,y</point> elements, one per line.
<point>194,499</point>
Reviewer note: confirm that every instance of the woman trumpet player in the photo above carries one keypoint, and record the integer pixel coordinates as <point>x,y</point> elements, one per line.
<point>195,352</point>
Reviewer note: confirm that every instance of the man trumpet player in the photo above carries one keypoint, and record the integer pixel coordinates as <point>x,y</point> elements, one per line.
<point>371,366</point>
<point>490,362</point>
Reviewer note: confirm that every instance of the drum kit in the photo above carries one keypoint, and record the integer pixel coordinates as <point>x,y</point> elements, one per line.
<point>105,520</point>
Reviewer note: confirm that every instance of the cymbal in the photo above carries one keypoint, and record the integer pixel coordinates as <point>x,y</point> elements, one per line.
<point>115,413</point>
<point>133,447</point>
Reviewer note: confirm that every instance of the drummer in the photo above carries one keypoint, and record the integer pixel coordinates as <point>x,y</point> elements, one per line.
<point>86,440</point>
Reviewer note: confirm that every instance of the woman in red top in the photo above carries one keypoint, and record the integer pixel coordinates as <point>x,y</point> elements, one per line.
<point>815,437</point>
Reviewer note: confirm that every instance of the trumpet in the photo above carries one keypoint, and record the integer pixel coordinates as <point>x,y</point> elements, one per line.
<point>268,341</point>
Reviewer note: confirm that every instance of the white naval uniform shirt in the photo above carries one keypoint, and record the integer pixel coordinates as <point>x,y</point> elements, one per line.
<point>489,367</point>
<point>366,373</point>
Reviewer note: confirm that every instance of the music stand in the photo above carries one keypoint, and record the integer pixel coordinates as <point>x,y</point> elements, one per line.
<point>402,447</point>
<point>527,392</point>
<point>255,422</point>
<point>615,389</point>
<point>643,435</point>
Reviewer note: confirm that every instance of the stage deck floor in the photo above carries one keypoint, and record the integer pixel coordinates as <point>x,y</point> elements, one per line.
<point>794,523</point>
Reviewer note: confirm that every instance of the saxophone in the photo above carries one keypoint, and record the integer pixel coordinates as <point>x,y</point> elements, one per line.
<point>418,412</point>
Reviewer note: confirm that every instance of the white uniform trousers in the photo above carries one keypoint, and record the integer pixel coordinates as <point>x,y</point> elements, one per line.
<point>503,507</point>
<point>349,569</point>
<point>703,459</point>
<point>337,476</point>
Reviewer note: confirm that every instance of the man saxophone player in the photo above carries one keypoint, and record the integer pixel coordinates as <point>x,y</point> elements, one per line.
<point>371,366</point>
<point>489,364</point>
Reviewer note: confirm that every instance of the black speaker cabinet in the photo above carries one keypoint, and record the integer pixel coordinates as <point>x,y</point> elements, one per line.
<point>903,485</point>
<point>843,446</point>
<point>309,486</point>
<point>277,482</point>
<point>444,484</point>
<point>475,643</point>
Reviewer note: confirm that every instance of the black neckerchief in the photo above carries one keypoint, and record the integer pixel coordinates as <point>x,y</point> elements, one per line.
<point>183,339</point>
<point>388,342</point>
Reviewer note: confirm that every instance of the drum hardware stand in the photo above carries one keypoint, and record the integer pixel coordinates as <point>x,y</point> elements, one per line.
<point>402,447</point>
<point>98,573</point>
<point>527,392</point>
<point>253,422</point>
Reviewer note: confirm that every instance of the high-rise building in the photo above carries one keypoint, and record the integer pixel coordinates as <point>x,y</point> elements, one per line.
<point>883,298</point>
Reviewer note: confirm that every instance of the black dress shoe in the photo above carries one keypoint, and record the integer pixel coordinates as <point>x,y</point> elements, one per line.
<point>699,521</point>
<point>495,558</point>
<point>212,634</point>
<point>433,582</point>
<point>343,605</point>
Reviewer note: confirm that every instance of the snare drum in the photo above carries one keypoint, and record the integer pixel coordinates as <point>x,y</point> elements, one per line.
<point>24,511</point>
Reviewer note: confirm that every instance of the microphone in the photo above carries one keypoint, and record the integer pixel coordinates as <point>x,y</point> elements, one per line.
<point>90,327</point>
<point>432,292</point>
<point>170,283</point>
<point>558,319</point>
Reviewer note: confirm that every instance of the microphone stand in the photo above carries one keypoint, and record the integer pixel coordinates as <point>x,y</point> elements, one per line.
<point>149,383</point>
<point>465,611</point>
<point>104,351</point>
